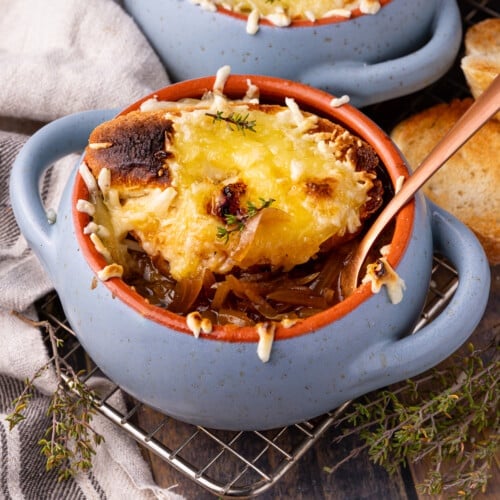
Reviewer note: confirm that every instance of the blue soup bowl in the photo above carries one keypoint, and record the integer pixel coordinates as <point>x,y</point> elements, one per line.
<point>405,46</point>
<point>217,380</point>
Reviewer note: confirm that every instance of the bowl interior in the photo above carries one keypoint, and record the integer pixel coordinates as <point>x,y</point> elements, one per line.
<point>273,91</point>
<point>301,22</point>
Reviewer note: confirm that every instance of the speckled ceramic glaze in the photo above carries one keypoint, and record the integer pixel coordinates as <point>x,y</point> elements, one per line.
<point>218,380</point>
<point>406,46</point>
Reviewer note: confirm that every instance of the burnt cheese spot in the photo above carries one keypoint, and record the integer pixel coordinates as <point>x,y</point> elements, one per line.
<point>366,159</point>
<point>229,200</point>
<point>138,151</point>
<point>380,270</point>
<point>323,188</point>
<point>375,199</point>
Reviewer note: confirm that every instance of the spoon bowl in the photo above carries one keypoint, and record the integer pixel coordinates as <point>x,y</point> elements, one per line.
<point>470,122</point>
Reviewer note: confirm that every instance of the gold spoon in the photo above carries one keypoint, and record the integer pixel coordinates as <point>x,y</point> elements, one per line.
<point>471,121</point>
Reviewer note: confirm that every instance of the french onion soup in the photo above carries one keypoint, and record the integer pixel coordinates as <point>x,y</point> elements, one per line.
<point>229,211</point>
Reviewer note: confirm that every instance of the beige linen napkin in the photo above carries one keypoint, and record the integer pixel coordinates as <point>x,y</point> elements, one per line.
<point>62,56</point>
<point>58,57</point>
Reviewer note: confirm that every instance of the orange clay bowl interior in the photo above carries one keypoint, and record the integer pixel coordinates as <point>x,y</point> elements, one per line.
<point>274,91</point>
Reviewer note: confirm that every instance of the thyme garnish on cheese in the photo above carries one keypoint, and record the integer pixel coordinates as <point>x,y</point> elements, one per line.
<point>236,120</point>
<point>237,222</point>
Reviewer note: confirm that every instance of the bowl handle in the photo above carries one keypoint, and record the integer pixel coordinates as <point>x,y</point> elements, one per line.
<point>370,83</point>
<point>53,141</point>
<point>437,340</point>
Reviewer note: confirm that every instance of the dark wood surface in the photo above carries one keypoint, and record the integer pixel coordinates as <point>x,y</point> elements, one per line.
<point>358,478</point>
<point>487,331</point>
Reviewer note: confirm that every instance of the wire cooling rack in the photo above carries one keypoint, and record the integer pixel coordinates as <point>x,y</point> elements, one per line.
<point>226,463</point>
<point>243,464</point>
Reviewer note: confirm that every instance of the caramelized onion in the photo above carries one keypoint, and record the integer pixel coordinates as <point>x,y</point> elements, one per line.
<point>299,296</point>
<point>245,297</point>
<point>185,294</point>
<point>234,317</point>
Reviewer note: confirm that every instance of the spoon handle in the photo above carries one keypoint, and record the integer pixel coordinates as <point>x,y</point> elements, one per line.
<point>470,122</point>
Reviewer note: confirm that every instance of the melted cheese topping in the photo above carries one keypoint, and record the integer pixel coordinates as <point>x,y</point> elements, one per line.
<point>336,102</point>
<point>110,271</point>
<point>280,160</point>
<point>282,12</point>
<point>198,324</point>
<point>266,333</point>
<point>380,273</point>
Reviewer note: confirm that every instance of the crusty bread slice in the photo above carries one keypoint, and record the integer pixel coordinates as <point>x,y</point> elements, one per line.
<point>468,185</point>
<point>194,184</point>
<point>483,37</point>
<point>481,63</point>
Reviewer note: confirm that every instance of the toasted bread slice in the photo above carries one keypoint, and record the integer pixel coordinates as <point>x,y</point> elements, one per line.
<point>468,185</point>
<point>231,184</point>
<point>481,63</point>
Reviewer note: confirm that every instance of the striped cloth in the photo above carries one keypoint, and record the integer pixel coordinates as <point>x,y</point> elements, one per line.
<point>59,57</point>
<point>118,471</point>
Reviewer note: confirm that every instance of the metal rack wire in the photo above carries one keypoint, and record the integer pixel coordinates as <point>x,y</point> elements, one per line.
<point>242,464</point>
<point>233,464</point>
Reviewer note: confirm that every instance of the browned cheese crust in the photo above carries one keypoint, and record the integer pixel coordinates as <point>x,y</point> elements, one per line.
<point>135,149</point>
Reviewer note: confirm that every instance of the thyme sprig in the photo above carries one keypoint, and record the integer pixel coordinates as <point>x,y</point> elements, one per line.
<point>235,121</point>
<point>69,442</point>
<point>237,222</point>
<point>449,416</point>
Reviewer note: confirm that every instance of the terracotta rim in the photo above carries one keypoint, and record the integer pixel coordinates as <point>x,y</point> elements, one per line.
<point>272,90</point>
<point>302,23</point>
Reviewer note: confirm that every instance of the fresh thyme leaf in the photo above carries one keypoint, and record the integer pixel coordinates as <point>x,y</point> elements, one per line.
<point>237,120</point>
<point>235,223</point>
<point>252,209</point>
<point>223,233</point>
<point>231,220</point>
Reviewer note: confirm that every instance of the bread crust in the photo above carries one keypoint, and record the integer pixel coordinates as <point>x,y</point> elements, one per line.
<point>134,147</point>
<point>194,188</point>
<point>483,37</point>
<point>468,185</point>
<point>481,63</point>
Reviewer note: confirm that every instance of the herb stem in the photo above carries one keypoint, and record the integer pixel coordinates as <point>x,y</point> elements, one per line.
<point>240,122</point>
<point>68,443</point>
<point>236,223</point>
<point>447,416</point>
